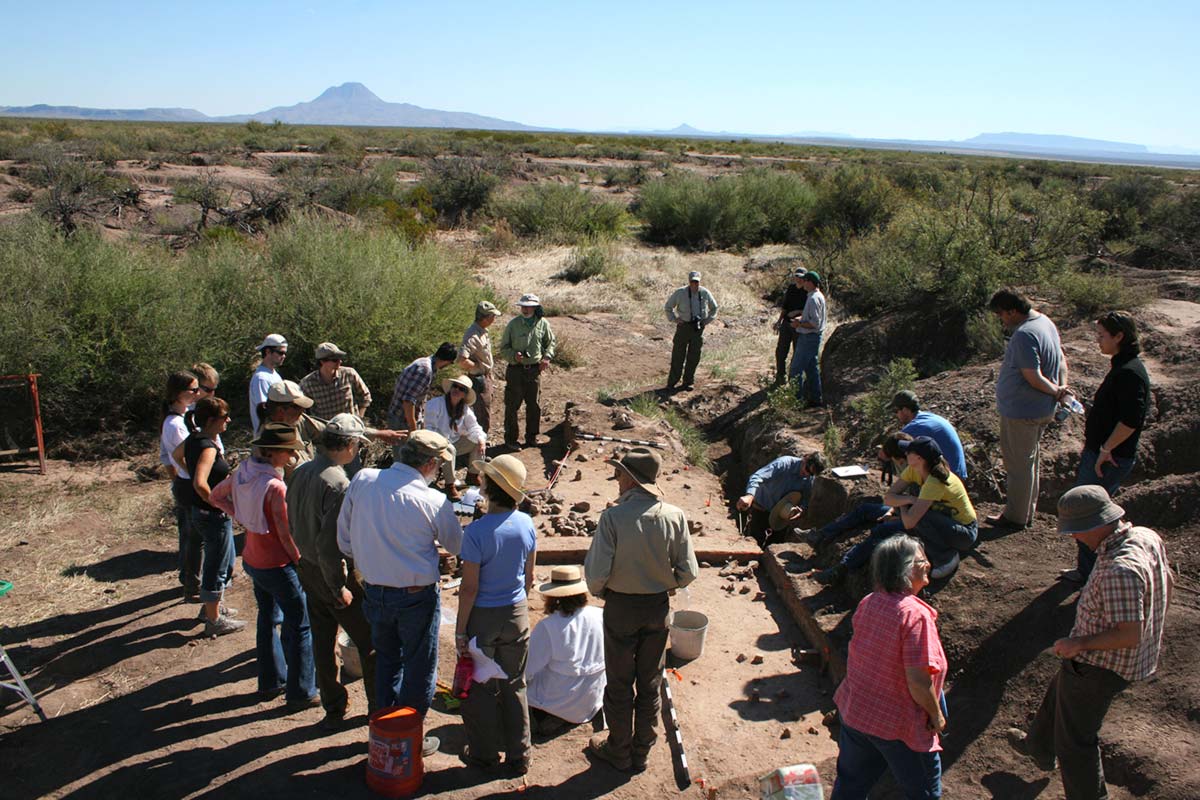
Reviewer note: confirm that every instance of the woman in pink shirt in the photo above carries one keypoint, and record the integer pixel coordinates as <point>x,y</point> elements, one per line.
<point>255,495</point>
<point>891,705</point>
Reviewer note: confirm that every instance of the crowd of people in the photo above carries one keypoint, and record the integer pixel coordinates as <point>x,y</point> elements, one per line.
<point>332,544</point>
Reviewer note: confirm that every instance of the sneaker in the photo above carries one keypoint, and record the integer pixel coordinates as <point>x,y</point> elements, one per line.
<point>1019,740</point>
<point>945,570</point>
<point>429,746</point>
<point>1070,576</point>
<point>830,576</point>
<point>222,626</point>
<point>598,747</point>
<point>226,611</point>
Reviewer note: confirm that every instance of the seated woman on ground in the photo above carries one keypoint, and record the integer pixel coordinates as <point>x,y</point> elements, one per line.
<point>451,416</point>
<point>942,514</point>
<point>565,670</point>
<point>881,516</point>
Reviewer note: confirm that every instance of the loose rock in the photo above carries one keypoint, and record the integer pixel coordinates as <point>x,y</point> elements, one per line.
<point>787,733</point>
<point>581,507</point>
<point>756,660</point>
<point>740,657</point>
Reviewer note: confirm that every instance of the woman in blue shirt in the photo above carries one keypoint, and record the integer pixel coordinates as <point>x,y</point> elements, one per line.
<point>497,555</point>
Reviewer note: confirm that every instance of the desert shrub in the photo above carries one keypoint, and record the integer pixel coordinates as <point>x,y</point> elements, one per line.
<point>459,187</point>
<point>566,353</point>
<point>1090,293</point>
<point>73,189</point>
<point>876,405</point>
<point>984,336</point>
<point>1127,202</point>
<point>753,208</point>
<point>689,435</point>
<point>499,236</point>
<point>206,192</point>
<point>594,259</point>
<point>20,194</point>
<point>1172,234</point>
<point>105,322</point>
<point>784,405</point>
<point>853,201</point>
<point>562,213</point>
<point>832,443</point>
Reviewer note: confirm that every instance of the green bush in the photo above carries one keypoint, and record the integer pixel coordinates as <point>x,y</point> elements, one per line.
<point>561,213</point>
<point>876,405</point>
<point>594,259</point>
<point>1172,235</point>
<point>1091,293</point>
<point>689,435</point>
<point>106,322</point>
<point>753,208</point>
<point>853,201</point>
<point>460,187</point>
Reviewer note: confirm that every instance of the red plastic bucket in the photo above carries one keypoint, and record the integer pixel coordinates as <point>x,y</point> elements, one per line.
<point>394,767</point>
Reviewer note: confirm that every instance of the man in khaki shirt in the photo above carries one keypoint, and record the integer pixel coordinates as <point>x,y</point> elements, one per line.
<point>475,358</point>
<point>641,554</point>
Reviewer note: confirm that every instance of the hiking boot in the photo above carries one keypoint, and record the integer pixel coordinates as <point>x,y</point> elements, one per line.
<point>333,720</point>
<point>599,748</point>
<point>222,626</point>
<point>516,766</point>
<point>831,576</point>
<point>304,703</point>
<point>945,570</point>
<point>472,760</point>
<point>1070,576</point>
<point>1019,740</point>
<point>813,536</point>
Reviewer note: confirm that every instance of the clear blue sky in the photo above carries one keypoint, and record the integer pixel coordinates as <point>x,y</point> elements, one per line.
<point>927,69</point>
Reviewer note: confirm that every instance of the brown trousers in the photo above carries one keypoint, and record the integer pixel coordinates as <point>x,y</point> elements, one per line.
<point>483,400</point>
<point>324,618</point>
<point>496,713</point>
<point>522,385</point>
<point>635,652</point>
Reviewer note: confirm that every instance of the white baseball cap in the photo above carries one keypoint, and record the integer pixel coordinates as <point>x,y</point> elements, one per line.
<point>693,276</point>
<point>272,340</point>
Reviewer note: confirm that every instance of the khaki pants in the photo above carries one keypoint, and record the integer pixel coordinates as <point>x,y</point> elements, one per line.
<point>685,354</point>
<point>483,401</point>
<point>462,447</point>
<point>1020,446</point>
<point>496,713</point>
<point>635,652</point>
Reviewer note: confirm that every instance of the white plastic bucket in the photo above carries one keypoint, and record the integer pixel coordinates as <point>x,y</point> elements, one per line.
<point>687,634</point>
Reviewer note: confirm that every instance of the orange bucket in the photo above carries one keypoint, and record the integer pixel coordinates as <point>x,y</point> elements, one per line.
<point>394,767</point>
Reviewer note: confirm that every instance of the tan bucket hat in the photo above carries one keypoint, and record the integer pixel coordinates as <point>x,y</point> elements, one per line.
<point>289,392</point>
<point>642,464</point>
<point>781,513</point>
<point>564,582</point>
<point>1086,508</point>
<point>462,382</point>
<point>430,444</point>
<point>507,472</point>
<point>347,425</point>
<point>329,350</point>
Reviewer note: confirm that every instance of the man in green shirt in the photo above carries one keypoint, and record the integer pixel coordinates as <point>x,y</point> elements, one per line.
<point>527,345</point>
<point>691,308</point>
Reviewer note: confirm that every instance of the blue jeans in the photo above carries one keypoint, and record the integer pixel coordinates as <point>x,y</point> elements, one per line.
<point>1085,559</point>
<point>863,514</point>
<point>943,536</point>
<point>860,554</point>
<point>862,759</point>
<point>404,630</point>
<point>805,369</point>
<point>285,657</point>
<point>216,531</point>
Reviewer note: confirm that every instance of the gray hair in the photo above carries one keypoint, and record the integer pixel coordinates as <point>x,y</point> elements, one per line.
<point>411,455</point>
<point>893,561</point>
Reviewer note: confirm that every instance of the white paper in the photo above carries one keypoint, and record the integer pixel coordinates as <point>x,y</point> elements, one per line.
<point>853,471</point>
<point>485,668</point>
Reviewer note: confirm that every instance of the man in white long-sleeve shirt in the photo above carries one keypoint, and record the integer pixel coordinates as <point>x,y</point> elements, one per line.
<point>391,523</point>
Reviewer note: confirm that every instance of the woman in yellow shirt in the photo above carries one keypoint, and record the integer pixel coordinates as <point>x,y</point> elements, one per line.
<point>941,514</point>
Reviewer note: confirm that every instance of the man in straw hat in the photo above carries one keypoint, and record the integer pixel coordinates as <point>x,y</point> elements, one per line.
<point>271,355</point>
<point>255,495</point>
<point>335,389</point>
<point>565,670</point>
<point>390,525</point>
<point>1115,640</point>
<point>331,584</point>
<point>527,345</point>
<point>640,554</point>
<point>475,358</point>
<point>498,556</point>
<point>691,308</point>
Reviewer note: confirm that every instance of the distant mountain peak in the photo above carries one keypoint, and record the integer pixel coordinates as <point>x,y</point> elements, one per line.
<point>351,91</point>
<point>684,129</point>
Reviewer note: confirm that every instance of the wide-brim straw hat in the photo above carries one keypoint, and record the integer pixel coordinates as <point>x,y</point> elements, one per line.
<point>279,436</point>
<point>642,464</point>
<point>463,382</point>
<point>507,472</point>
<point>564,582</point>
<point>781,513</point>
<point>1086,508</point>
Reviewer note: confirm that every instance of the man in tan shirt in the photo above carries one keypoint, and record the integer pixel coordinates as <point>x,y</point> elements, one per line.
<point>475,358</point>
<point>640,555</point>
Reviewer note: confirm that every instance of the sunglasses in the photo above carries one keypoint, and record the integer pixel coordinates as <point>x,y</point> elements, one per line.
<point>209,389</point>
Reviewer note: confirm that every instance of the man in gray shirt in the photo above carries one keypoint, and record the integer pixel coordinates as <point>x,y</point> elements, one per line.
<point>810,330</point>
<point>332,589</point>
<point>1032,379</point>
<point>691,308</point>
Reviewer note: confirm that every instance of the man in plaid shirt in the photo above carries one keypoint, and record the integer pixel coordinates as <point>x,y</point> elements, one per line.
<point>1115,640</point>
<point>408,398</point>
<point>335,389</point>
